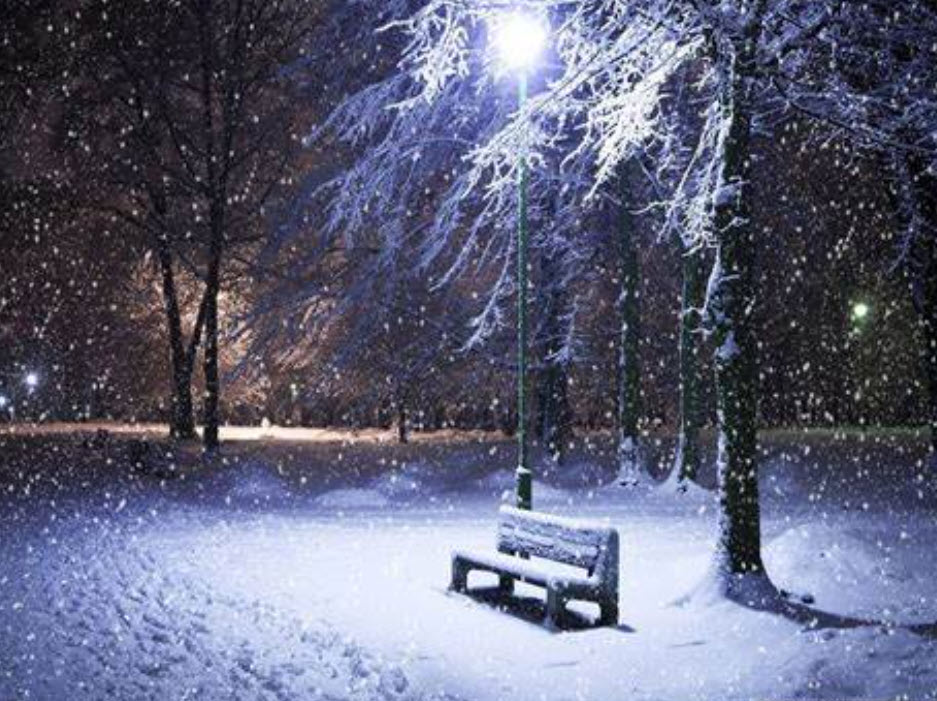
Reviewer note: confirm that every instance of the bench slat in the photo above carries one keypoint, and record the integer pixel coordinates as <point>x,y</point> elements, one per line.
<point>563,540</point>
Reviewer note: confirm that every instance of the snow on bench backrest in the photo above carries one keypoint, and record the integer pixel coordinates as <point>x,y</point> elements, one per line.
<point>556,538</point>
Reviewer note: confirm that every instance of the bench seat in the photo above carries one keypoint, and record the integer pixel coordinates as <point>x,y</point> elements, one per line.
<point>539,572</point>
<point>571,559</point>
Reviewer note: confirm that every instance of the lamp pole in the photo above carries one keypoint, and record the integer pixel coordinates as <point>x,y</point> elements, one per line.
<point>523,476</point>
<point>8,401</point>
<point>520,38</point>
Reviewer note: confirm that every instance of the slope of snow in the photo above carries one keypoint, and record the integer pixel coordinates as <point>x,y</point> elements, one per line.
<point>236,583</point>
<point>352,499</point>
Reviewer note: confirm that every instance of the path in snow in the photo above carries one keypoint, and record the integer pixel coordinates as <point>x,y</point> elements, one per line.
<point>233,584</point>
<point>106,615</point>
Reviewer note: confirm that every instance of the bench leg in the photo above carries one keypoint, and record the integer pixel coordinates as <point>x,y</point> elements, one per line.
<point>505,584</point>
<point>556,605</point>
<point>609,615</point>
<point>460,570</point>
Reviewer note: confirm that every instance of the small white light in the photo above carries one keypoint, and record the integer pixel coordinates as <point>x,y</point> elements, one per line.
<point>32,379</point>
<point>519,39</point>
<point>3,401</point>
<point>860,310</point>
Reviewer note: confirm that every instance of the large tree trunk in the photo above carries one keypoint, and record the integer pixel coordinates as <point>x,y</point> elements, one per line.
<point>687,458</point>
<point>212,382</point>
<point>554,409</point>
<point>930,360</point>
<point>182,417</point>
<point>738,568</point>
<point>215,172</point>
<point>553,425</point>
<point>916,190</point>
<point>630,465</point>
<point>403,426</point>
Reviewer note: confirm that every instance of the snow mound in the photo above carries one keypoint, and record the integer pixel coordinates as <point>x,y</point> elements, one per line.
<point>503,482</point>
<point>256,482</point>
<point>778,478</point>
<point>543,492</point>
<point>837,568</point>
<point>351,499</point>
<point>497,481</point>
<point>410,479</point>
<point>687,490</point>
<point>866,663</point>
<point>580,473</point>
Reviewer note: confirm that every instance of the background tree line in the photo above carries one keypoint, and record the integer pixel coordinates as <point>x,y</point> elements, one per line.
<point>188,147</point>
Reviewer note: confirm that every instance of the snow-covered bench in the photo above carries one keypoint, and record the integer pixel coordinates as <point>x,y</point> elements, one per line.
<point>548,539</point>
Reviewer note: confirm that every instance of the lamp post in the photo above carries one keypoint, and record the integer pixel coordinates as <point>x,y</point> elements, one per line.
<point>8,401</point>
<point>860,310</point>
<point>519,39</point>
<point>859,314</point>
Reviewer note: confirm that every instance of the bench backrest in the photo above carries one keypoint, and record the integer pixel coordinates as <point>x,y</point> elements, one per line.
<point>570,541</point>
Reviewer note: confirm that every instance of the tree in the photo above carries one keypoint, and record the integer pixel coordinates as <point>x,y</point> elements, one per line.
<point>602,102</point>
<point>630,462</point>
<point>28,68</point>
<point>916,191</point>
<point>693,276</point>
<point>402,163</point>
<point>555,357</point>
<point>731,297</point>
<point>125,82</point>
<point>199,93</point>
<point>671,176</point>
<point>616,60</point>
<point>868,71</point>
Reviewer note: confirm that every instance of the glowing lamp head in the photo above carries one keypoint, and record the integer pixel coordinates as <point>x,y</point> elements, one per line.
<point>860,310</point>
<point>519,39</point>
<point>31,380</point>
<point>3,401</point>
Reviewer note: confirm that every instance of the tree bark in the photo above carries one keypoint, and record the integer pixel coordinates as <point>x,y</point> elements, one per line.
<point>629,376</point>
<point>182,417</point>
<point>916,189</point>
<point>403,428</point>
<point>687,459</point>
<point>730,304</point>
<point>182,413</point>
<point>554,409</point>
<point>930,360</point>
<point>212,382</point>
<point>553,397</point>
<point>215,191</point>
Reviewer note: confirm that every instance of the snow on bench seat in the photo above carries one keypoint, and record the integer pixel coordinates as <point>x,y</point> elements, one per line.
<point>551,539</point>
<point>537,572</point>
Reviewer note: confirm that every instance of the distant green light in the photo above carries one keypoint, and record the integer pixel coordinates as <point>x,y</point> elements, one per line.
<point>860,310</point>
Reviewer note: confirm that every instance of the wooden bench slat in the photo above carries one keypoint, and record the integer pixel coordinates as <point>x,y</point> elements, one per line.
<point>563,540</point>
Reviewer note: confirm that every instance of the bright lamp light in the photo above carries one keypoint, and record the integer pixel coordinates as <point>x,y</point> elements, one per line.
<point>31,379</point>
<point>519,40</point>
<point>860,311</point>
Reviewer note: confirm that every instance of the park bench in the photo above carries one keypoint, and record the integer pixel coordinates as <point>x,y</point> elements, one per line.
<point>527,545</point>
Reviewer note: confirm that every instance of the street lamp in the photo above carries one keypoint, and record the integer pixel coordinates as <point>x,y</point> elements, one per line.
<point>860,313</point>
<point>860,310</point>
<point>31,380</point>
<point>519,39</point>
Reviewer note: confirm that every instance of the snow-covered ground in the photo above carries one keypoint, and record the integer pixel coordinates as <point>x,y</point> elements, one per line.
<point>290,573</point>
